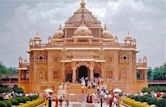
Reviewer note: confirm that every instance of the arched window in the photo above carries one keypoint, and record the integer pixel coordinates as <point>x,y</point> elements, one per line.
<point>124,58</point>
<point>41,58</point>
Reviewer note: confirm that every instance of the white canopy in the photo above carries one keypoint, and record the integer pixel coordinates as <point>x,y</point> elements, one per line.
<point>117,90</point>
<point>48,90</point>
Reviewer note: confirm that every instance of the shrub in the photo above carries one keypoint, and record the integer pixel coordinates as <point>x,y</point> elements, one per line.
<point>5,89</point>
<point>164,97</point>
<point>33,97</point>
<point>8,103</point>
<point>148,95</point>
<point>14,101</point>
<point>142,98</point>
<point>151,100</point>
<point>3,104</point>
<point>132,96</point>
<point>19,99</point>
<point>25,99</point>
<point>18,90</point>
<point>1,98</point>
<point>145,89</point>
<point>161,103</point>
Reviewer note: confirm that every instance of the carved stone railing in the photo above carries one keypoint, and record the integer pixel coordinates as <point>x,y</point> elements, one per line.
<point>141,65</point>
<point>23,65</point>
<point>157,82</point>
<point>82,44</point>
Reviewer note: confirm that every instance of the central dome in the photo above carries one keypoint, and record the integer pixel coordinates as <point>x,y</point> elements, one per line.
<point>83,31</point>
<point>76,19</point>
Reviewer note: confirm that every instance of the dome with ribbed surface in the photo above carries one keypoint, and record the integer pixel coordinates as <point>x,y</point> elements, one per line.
<point>59,33</point>
<point>106,33</point>
<point>82,14</point>
<point>83,31</point>
<point>37,37</point>
<point>128,37</point>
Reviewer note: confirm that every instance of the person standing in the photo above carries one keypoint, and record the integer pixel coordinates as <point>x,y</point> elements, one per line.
<point>101,101</point>
<point>119,101</point>
<point>111,99</point>
<point>56,102</point>
<point>87,99</point>
<point>60,101</point>
<point>67,103</point>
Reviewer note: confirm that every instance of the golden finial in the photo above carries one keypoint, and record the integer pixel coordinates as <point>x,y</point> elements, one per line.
<point>82,3</point>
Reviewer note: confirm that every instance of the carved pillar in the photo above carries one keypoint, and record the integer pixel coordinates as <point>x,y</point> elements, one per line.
<point>63,73</point>
<point>74,72</point>
<point>91,73</point>
<point>103,75</point>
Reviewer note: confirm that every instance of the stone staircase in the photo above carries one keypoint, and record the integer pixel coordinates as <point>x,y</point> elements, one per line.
<point>76,92</point>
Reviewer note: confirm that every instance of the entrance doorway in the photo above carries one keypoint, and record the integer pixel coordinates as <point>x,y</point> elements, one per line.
<point>69,77</point>
<point>82,71</point>
<point>96,75</point>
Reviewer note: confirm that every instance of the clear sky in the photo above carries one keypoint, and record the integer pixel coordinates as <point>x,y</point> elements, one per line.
<point>144,19</point>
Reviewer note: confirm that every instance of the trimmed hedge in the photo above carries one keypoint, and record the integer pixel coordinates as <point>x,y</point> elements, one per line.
<point>1,98</point>
<point>164,97</point>
<point>4,89</point>
<point>14,101</point>
<point>17,100</point>
<point>25,99</point>
<point>34,97</point>
<point>134,103</point>
<point>8,103</point>
<point>150,100</point>
<point>161,103</point>
<point>3,104</point>
<point>33,103</point>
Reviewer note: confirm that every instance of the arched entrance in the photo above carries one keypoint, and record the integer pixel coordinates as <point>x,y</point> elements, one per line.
<point>82,71</point>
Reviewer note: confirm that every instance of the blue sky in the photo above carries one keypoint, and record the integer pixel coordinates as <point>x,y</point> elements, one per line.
<point>144,19</point>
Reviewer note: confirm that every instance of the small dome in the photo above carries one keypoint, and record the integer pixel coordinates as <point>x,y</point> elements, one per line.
<point>37,37</point>
<point>128,37</point>
<point>106,33</point>
<point>83,31</point>
<point>59,33</point>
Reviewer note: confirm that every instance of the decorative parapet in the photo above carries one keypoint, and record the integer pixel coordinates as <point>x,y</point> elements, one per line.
<point>142,64</point>
<point>23,64</point>
<point>67,44</point>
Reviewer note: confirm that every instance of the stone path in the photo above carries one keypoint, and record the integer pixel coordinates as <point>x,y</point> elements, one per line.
<point>77,104</point>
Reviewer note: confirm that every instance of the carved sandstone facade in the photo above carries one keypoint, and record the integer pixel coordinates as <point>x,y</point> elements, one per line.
<point>82,48</point>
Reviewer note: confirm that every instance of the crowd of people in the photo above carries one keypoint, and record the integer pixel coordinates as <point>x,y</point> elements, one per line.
<point>91,84</point>
<point>102,96</point>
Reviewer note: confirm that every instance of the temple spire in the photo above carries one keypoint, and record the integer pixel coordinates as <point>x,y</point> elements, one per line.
<point>105,27</point>
<point>82,4</point>
<point>60,27</point>
<point>82,16</point>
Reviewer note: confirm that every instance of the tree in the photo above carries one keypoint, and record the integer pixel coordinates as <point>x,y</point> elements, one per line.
<point>149,73</point>
<point>6,70</point>
<point>159,73</point>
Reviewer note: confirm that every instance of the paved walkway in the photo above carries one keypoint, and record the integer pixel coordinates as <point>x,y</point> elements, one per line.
<point>76,104</point>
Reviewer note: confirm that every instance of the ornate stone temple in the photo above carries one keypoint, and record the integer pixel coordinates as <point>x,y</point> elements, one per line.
<point>82,48</point>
